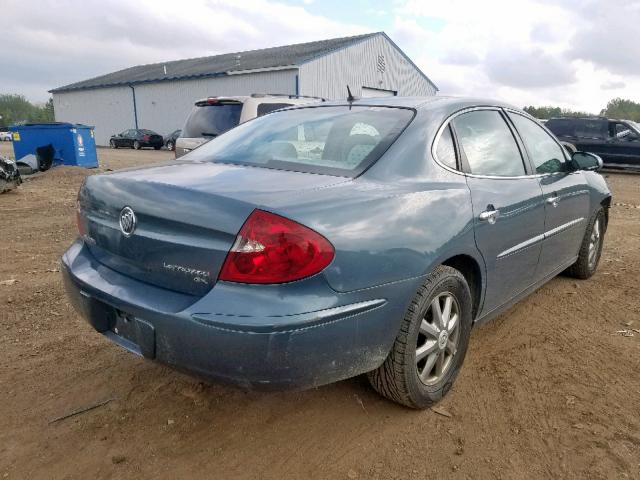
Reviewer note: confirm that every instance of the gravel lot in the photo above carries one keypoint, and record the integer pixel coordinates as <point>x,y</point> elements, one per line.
<point>551,389</point>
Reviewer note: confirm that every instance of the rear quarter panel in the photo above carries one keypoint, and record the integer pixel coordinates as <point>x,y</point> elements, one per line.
<point>397,221</point>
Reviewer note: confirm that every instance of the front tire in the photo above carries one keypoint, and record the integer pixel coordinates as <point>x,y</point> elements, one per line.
<point>429,350</point>
<point>590,249</point>
<point>112,144</point>
<point>136,145</point>
<point>170,146</point>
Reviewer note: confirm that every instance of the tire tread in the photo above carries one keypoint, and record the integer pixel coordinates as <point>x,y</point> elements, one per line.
<point>389,379</point>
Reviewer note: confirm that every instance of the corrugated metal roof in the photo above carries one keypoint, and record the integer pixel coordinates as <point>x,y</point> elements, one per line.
<point>266,58</point>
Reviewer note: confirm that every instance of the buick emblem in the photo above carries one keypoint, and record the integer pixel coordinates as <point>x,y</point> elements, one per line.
<point>128,221</point>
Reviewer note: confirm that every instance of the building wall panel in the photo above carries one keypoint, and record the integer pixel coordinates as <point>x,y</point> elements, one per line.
<point>360,66</point>
<point>110,110</point>
<point>164,107</point>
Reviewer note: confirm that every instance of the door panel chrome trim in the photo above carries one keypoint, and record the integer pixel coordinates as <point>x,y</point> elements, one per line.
<point>538,238</point>
<point>563,227</point>
<point>521,246</point>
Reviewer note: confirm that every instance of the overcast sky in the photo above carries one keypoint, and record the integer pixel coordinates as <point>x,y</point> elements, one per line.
<point>573,53</point>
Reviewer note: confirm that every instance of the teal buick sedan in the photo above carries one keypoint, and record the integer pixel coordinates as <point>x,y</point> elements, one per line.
<point>321,242</point>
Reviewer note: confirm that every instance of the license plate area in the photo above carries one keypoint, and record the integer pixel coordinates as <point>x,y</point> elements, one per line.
<point>133,334</point>
<point>124,325</point>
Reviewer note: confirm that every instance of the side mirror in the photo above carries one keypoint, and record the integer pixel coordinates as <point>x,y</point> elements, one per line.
<point>586,161</point>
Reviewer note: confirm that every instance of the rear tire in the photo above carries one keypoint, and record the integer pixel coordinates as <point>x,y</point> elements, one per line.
<point>590,249</point>
<point>170,146</point>
<point>410,375</point>
<point>136,145</point>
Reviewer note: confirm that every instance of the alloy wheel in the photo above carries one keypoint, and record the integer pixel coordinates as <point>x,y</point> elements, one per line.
<point>438,339</point>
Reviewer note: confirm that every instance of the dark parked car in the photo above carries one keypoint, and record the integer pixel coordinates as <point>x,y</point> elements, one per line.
<point>170,140</point>
<point>317,243</point>
<point>137,138</point>
<point>617,142</point>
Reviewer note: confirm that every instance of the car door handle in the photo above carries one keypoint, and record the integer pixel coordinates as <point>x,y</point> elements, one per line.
<point>490,215</point>
<point>553,200</point>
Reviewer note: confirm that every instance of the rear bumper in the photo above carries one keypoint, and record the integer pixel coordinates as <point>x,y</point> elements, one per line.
<point>272,350</point>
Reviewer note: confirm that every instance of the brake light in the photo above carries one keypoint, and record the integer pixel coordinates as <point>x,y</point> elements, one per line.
<point>146,138</point>
<point>274,249</point>
<point>81,228</point>
<point>212,100</point>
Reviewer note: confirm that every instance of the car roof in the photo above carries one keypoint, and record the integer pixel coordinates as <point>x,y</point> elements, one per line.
<point>263,98</point>
<point>437,102</point>
<point>579,118</point>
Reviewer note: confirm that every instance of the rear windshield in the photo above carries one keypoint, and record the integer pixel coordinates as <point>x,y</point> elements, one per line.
<point>338,140</point>
<point>209,121</point>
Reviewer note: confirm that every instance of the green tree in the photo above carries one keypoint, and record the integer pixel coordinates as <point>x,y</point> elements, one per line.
<point>622,109</point>
<point>17,109</point>
<point>550,112</point>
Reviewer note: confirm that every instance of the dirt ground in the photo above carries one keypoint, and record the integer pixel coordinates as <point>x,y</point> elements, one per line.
<point>551,389</point>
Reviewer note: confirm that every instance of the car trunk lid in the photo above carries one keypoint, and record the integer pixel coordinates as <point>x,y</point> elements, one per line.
<point>187,216</point>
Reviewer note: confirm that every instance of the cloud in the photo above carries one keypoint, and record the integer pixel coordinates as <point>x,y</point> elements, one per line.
<point>606,34</point>
<point>613,85</point>
<point>567,52</point>
<point>544,33</point>
<point>528,69</point>
<point>460,57</point>
<point>63,41</point>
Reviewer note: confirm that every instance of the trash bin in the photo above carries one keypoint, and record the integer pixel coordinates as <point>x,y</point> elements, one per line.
<point>41,145</point>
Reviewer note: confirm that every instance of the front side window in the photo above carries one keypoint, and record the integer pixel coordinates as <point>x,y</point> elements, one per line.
<point>547,156</point>
<point>337,140</point>
<point>623,131</point>
<point>488,144</point>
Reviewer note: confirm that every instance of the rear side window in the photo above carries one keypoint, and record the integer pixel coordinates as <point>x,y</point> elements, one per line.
<point>265,108</point>
<point>547,156</point>
<point>592,129</point>
<point>211,120</point>
<point>445,150</point>
<point>337,140</point>
<point>561,127</point>
<point>488,144</point>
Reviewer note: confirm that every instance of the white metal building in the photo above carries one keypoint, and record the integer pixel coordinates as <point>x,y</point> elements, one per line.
<point>160,96</point>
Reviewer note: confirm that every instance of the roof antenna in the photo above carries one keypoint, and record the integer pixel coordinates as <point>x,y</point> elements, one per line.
<point>350,97</point>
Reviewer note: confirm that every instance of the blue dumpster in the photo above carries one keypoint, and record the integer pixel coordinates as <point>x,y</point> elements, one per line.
<point>55,144</point>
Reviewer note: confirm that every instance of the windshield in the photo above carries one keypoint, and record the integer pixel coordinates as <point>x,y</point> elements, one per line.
<point>332,140</point>
<point>211,120</point>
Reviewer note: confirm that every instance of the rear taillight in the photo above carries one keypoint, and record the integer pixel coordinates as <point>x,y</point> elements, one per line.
<point>274,249</point>
<point>146,138</point>
<point>81,228</point>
